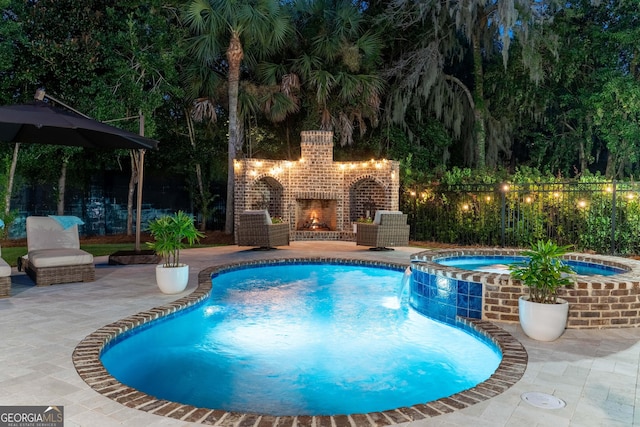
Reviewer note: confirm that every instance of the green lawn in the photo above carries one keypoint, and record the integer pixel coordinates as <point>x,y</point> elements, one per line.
<point>11,254</point>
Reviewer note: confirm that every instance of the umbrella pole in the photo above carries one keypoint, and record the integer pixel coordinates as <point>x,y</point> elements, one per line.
<point>140,178</point>
<point>139,201</point>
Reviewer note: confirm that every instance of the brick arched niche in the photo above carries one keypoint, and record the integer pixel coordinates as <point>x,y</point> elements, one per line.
<point>366,196</point>
<point>267,193</point>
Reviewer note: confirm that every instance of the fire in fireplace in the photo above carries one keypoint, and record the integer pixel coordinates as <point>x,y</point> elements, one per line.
<point>316,215</point>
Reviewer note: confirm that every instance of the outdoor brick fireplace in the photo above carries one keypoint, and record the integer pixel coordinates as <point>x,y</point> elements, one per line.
<point>319,198</point>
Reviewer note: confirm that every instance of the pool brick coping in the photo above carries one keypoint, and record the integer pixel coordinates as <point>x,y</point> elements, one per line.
<point>86,359</point>
<point>594,301</point>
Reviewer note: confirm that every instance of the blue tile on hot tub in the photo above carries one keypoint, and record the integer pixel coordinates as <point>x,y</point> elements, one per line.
<point>475,289</point>
<point>463,287</point>
<point>475,314</point>
<point>475,303</point>
<point>464,312</point>
<point>463,301</point>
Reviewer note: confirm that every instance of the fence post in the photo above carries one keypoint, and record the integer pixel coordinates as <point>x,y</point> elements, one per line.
<point>613,219</point>
<point>503,199</point>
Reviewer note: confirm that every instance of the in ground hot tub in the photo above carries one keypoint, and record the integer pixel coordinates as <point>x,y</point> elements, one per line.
<point>605,294</point>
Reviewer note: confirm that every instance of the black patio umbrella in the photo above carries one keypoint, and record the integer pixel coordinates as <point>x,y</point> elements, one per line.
<point>41,123</point>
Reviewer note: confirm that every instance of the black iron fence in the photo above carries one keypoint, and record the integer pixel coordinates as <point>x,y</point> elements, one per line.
<point>603,217</point>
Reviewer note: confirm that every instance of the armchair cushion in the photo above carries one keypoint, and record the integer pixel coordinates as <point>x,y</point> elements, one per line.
<point>378,216</point>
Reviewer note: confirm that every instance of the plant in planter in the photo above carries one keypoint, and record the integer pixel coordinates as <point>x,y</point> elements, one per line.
<point>277,220</point>
<point>543,315</point>
<point>169,233</point>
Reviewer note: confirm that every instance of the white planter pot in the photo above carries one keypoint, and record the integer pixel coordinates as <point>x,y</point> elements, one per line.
<point>543,322</point>
<point>172,280</point>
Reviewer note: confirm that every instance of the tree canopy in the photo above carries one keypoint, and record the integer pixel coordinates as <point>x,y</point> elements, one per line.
<point>491,85</point>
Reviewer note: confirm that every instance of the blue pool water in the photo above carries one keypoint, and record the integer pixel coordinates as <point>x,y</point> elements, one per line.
<point>302,339</point>
<point>500,263</point>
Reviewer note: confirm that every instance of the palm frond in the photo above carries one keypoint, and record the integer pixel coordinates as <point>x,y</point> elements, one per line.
<point>323,81</point>
<point>204,109</point>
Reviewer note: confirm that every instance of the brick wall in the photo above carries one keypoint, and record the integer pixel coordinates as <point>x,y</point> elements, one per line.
<point>278,185</point>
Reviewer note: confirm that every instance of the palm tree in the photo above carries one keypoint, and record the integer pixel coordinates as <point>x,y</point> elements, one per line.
<point>225,35</point>
<point>340,69</point>
<point>331,70</point>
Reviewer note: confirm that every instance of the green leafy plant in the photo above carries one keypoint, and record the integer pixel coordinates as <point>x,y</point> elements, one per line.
<point>544,273</point>
<point>169,233</point>
<point>364,220</point>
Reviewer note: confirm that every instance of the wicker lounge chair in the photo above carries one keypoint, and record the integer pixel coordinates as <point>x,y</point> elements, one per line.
<point>389,228</point>
<point>54,254</point>
<point>256,229</point>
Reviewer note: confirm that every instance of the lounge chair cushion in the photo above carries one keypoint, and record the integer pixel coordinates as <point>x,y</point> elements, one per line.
<point>47,233</point>
<point>59,257</point>
<point>5,269</point>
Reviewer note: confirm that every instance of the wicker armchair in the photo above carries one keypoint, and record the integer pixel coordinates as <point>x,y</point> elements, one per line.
<point>389,228</point>
<point>256,229</point>
<point>54,254</point>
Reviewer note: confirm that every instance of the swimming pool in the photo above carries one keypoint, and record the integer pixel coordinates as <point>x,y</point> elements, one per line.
<point>301,339</point>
